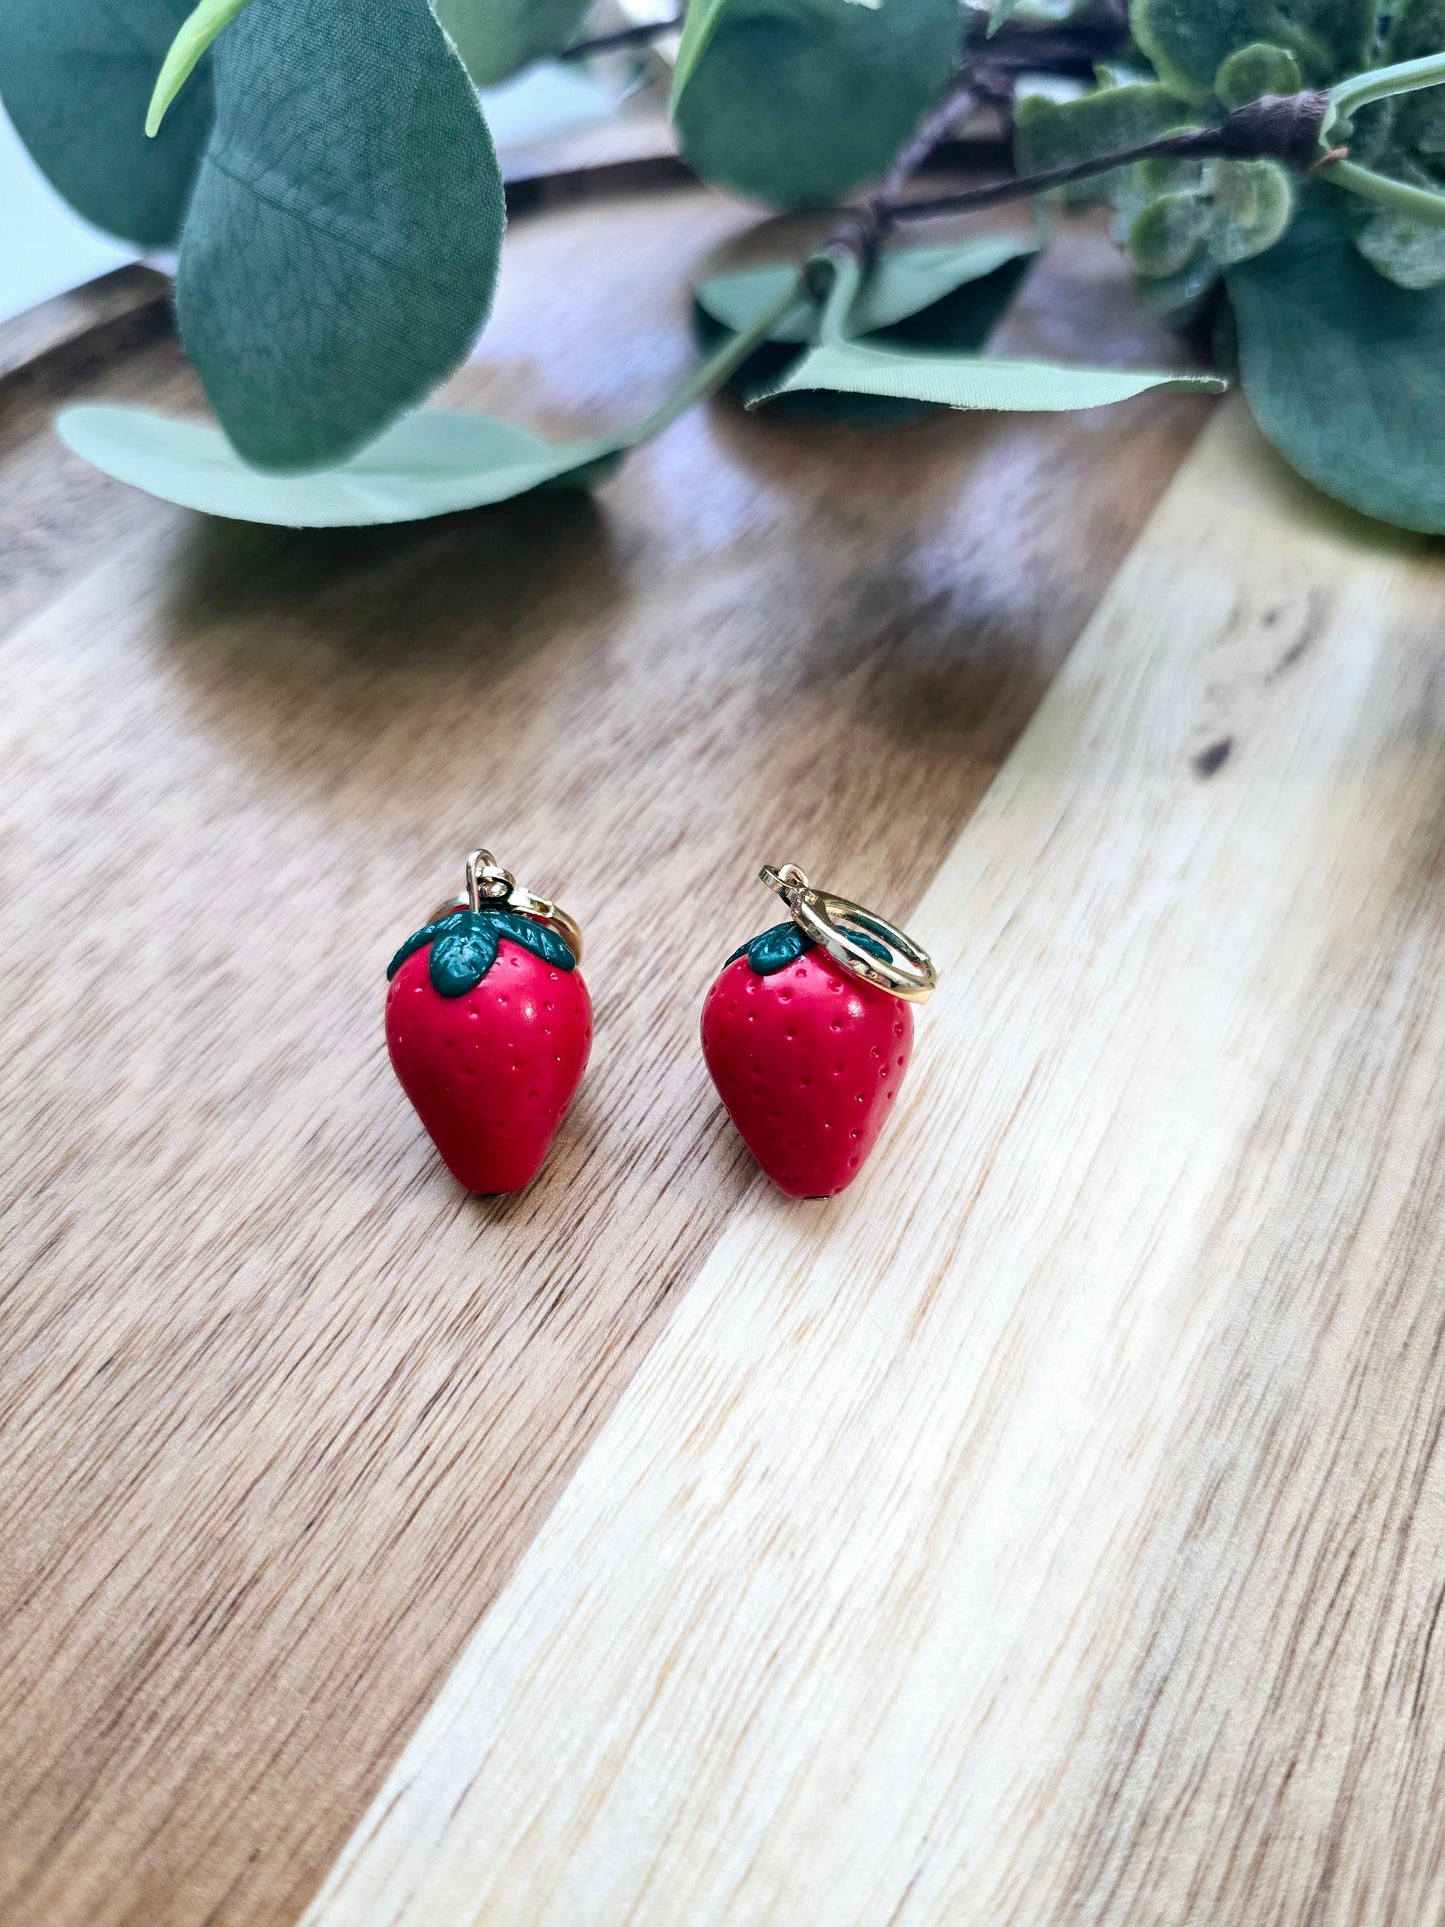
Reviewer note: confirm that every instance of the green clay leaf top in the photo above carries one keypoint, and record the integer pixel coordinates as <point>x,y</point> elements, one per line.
<point>774,949</point>
<point>464,946</point>
<point>784,943</point>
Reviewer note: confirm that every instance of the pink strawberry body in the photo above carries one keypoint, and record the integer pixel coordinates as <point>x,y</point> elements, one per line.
<point>808,1060</point>
<point>491,1071</point>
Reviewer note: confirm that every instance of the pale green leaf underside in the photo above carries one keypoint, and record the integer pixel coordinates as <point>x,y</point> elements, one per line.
<point>197,31</point>
<point>433,463</point>
<point>957,381</point>
<point>901,284</point>
<point>1001,11</point>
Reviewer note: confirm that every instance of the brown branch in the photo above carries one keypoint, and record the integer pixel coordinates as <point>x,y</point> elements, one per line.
<point>1281,127</point>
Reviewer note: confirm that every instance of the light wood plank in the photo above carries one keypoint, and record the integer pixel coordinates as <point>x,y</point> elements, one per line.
<point>280,1409</point>
<point>1051,1529</point>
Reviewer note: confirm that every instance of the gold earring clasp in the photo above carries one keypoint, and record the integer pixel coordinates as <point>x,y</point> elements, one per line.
<point>904,969</point>
<point>489,883</point>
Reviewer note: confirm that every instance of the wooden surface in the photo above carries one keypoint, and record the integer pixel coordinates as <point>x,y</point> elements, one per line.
<point>1052,1528</point>
<point>281,1410</point>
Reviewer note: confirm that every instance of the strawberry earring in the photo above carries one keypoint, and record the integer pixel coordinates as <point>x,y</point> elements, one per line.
<point>807,1032</point>
<point>488,1023</point>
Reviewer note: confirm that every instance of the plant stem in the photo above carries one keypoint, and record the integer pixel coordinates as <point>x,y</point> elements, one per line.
<point>1419,203</point>
<point>641,35</point>
<point>710,375</point>
<point>1257,131</point>
<point>1383,83</point>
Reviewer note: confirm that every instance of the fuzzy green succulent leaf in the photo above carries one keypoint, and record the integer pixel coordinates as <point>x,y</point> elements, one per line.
<point>1165,236</point>
<point>1188,41</point>
<point>1254,71</point>
<point>1251,203</point>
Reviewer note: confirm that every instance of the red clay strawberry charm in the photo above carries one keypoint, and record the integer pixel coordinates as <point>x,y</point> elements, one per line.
<point>807,1032</point>
<point>489,1025</point>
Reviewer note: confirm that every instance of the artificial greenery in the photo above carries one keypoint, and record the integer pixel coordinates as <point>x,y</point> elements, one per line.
<point>1275,169</point>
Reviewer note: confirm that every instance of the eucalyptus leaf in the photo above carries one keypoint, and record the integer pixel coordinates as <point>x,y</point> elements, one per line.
<point>698,27</point>
<point>341,249</point>
<point>903,282</point>
<point>799,102</point>
<point>76,79</point>
<point>1188,41</point>
<point>432,463</point>
<point>968,381</point>
<point>498,38</point>
<point>1345,373</point>
<point>197,31</point>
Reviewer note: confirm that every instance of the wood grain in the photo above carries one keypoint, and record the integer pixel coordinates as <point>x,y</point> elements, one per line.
<point>1051,1529</point>
<point>280,1409</point>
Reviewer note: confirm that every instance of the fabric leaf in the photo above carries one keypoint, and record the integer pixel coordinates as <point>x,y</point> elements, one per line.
<point>341,249</point>
<point>799,102</point>
<point>904,282</point>
<point>1345,373</point>
<point>498,38</point>
<point>76,79</point>
<point>971,381</point>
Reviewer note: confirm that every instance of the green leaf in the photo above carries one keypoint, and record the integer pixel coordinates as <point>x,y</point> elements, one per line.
<point>1165,235</point>
<point>1345,373</point>
<point>429,464</point>
<point>1001,11</point>
<point>1404,251</point>
<point>799,102</point>
<point>969,381</point>
<point>540,938</point>
<point>462,953</point>
<point>1250,205</point>
<point>903,283</point>
<point>698,28</point>
<point>341,249</point>
<point>75,77</point>
<point>1188,41</point>
<point>498,38</point>
<point>773,950</point>
<point>198,30</point>
<point>1051,133</point>
<point>433,463</point>
<point>1254,71</point>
